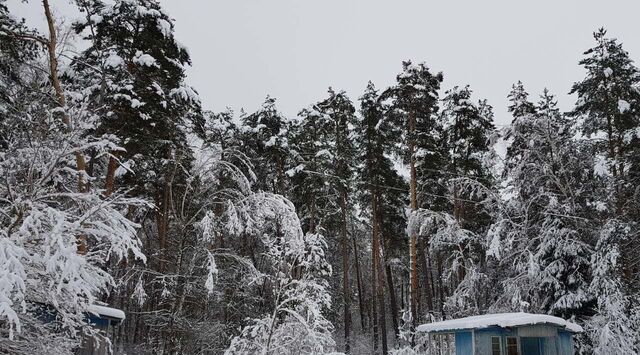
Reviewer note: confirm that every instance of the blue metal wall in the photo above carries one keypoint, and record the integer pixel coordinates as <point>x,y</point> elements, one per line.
<point>532,346</point>
<point>464,343</point>
<point>559,345</point>
<point>565,343</point>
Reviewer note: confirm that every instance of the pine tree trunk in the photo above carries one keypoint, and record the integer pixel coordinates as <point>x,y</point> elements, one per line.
<point>617,171</point>
<point>393,302</point>
<point>360,289</point>
<point>81,165</point>
<point>390,284</point>
<point>162,203</point>
<point>402,286</point>
<point>441,292</point>
<point>377,277</point>
<point>413,255</point>
<point>379,290</point>
<point>346,295</point>
<point>383,308</point>
<point>374,307</point>
<point>312,222</point>
<point>432,284</point>
<point>162,212</point>
<point>427,276</point>
<point>109,184</point>
<point>55,81</point>
<point>374,266</point>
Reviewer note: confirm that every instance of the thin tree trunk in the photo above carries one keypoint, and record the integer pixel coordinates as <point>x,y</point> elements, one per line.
<point>374,287</point>
<point>383,309</point>
<point>390,285</point>
<point>432,285</point>
<point>427,276</point>
<point>109,184</point>
<point>393,302</point>
<point>81,165</point>
<point>440,285</point>
<point>162,203</point>
<point>312,222</point>
<point>359,281</point>
<point>378,275</point>
<point>402,292</point>
<point>346,295</point>
<point>379,278</point>
<point>55,81</point>
<point>458,207</point>
<point>413,192</point>
<point>162,212</point>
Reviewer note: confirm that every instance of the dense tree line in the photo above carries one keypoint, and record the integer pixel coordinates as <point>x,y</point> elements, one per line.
<point>340,229</point>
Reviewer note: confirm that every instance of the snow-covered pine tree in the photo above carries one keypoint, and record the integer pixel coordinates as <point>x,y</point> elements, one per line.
<point>47,210</point>
<point>520,109</point>
<point>545,232</point>
<point>321,171</point>
<point>382,190</point>
<point>608,113</point>
<point>295,322</point>
<point>254,266</point>
<point>414,102</point>
<point>14,54</point>
<point>132,75</point>
<point>469,132</point>
<point>609,106</point>
<point>131,78</point>
<point>265,137</point>
<point>322,180</point>
<point>309,137</point>
<point>341,112</point>
<point>564,236</point>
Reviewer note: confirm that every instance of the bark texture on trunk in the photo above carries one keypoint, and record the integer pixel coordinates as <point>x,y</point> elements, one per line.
<point>360,288</point>
<point>413,249</point>
<point>346,294</point>
<point>81,165</point>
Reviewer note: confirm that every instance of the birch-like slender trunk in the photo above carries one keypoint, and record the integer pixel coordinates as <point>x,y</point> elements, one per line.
<point>81,165</point>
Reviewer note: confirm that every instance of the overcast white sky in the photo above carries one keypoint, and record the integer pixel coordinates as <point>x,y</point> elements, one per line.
<point>293,50</point>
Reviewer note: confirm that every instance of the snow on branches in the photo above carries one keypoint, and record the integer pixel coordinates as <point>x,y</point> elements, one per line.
<point>297,271</point>
<point>40,224</point>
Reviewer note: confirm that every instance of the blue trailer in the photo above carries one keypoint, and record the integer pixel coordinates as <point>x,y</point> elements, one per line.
<point>501,334</point>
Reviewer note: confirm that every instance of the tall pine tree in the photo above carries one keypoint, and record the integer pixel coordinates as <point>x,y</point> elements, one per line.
<point>414,102</point>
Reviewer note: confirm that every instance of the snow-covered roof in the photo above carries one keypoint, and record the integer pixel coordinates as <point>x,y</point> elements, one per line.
<point>106,311</point>
<point>500,320</point>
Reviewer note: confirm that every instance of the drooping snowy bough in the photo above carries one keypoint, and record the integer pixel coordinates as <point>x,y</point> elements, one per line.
<point>40,222</point>
<point>296,272</point>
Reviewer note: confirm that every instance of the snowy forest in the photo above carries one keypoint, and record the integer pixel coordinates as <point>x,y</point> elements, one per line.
<point>339,230</point>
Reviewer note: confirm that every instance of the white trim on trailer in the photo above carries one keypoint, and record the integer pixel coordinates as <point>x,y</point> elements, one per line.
<point>473,342</point>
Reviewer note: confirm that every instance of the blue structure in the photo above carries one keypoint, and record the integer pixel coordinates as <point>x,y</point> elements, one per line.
<point>501,334</point>
<point>102,318</point>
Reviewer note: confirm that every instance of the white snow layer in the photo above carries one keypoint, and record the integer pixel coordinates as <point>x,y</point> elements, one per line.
<point>106,311</point>
<point>623,106</point>
<point>500,320</point>
<point>144,59</point>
